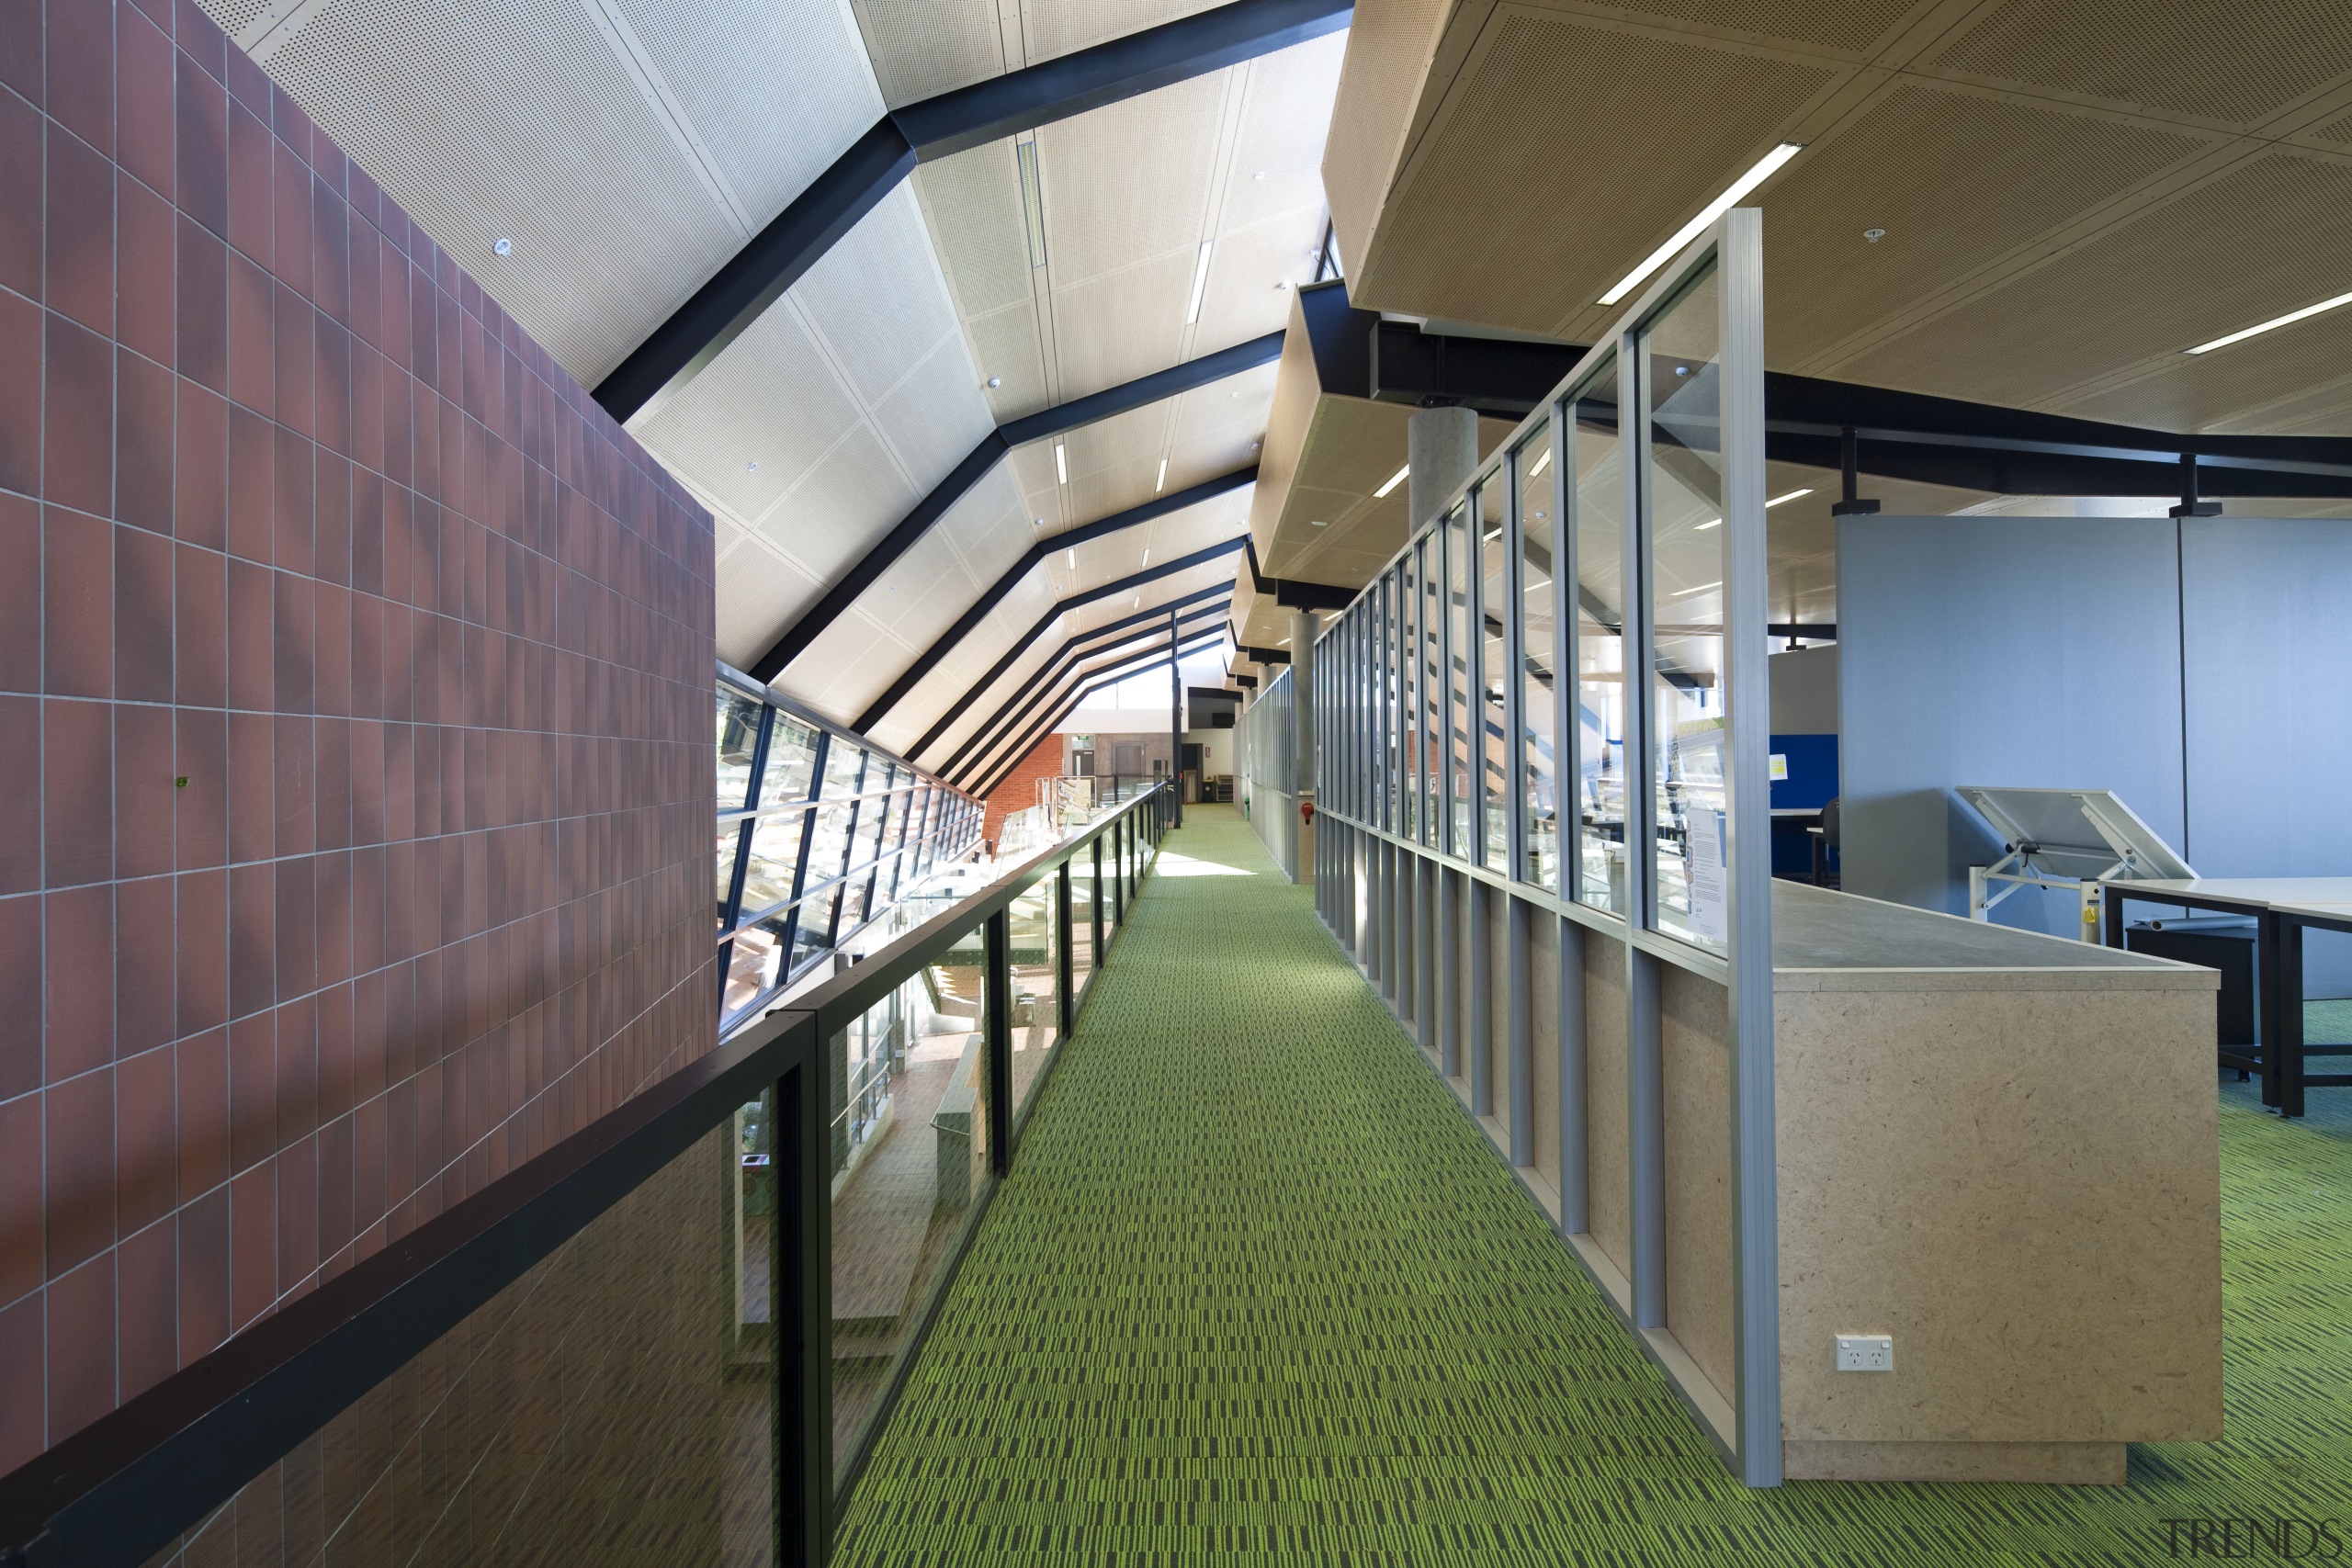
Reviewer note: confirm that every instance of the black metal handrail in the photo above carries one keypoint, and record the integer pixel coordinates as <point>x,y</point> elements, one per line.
<point>122,1488</point>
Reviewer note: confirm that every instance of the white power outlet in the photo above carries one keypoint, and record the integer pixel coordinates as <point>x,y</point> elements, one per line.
<point>1866,1352</point>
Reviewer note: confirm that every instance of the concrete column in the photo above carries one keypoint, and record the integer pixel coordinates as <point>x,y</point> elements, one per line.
<point>1442,445</point>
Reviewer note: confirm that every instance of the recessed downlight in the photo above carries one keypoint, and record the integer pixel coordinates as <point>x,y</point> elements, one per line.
<point>1763,169</point>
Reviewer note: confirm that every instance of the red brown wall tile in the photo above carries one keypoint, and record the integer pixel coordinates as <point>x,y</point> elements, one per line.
<point>354,678</point>
<point>1019,790</point>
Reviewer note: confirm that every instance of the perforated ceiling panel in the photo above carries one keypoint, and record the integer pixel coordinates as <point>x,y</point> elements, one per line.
<point>516,119</point>
<point>2238,66</point>
<point>2016,162</point>
<point>2168,277</point>
<point>1838,23</point>
<point>774,89</point>
<point>1053,28</point>
<point>1988,175</point>
<point>1496,165</point>
<point>922,47</point>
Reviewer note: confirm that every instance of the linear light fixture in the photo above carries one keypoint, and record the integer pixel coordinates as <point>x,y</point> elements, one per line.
<point>1701,589</point>
<point>1161,482</point>
<point>1763,170</point>
<point>1394,480</point>
<point>1790,496</point>
<point>1200,282</point>
<point>2291,318</point>
<point>1543,461</point>
<point>1709,522</point>
<point>1061,463</point>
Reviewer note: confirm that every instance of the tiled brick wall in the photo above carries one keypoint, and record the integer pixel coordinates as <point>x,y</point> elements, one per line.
<point>1019,790</point>
<point>355,687</point>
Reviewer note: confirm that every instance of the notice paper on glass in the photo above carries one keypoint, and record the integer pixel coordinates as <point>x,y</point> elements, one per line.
<point>1710,909</point>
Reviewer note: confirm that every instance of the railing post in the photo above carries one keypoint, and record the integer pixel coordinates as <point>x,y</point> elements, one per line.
<point>997,946</point>
<point>1094,905</point>
<point>799,1264</point>
<point>1118,879</point>
<point>1065,967</point>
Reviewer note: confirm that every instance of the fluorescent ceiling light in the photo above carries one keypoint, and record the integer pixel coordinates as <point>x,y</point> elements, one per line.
<point>1764,170</point>
<point>1394,480</point>
<point>1541,462</point>
<point>1709,522</point>
<point>1147,558</point>
<point>1200,282</point>
<point>1061,463</point>
<point>1790,496</point>
<point>1161,482</point>
<point>2288,319</point>
<point>1701,589</point>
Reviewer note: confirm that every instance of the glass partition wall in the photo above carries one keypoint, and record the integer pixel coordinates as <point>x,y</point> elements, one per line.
<point>1599,578</point>
<point>819,835</point>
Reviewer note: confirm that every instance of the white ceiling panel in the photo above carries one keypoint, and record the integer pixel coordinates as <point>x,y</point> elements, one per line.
<point>1250,276</point>
<point>476,116</point>
<point>1131,179</point>
<point>973,199</point>
<point>880,301</point>
<point>1007,347</point>
<point>991,513</point>
<point>773,399</point>
<point>1055,28</point>
<point>934,417</point>
<point>773,89</point>
<point>1277,165</point>
<point>1116,326</point>
<point>759,593</point>
<point>847,501</point>
<point>923,48</point>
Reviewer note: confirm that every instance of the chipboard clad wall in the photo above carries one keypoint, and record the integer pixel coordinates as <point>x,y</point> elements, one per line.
<point>354,693</point>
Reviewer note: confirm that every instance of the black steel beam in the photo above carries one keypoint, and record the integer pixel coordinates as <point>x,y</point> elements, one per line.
<point>993,448</point>
<point>1110,676</point>
<point>1143,390</point>
<point>1124,68</point>
<point>756,276</point>
<point>1436,369</point>
<point>1108,590</point>
<point>988,735</point>
<point>1036,555</point>
<point>1052,669</point>
<point>781,254</point>
<point>1262,655</point>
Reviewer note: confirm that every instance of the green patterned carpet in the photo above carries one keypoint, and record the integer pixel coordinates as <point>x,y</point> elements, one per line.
<point>1258,1292</point>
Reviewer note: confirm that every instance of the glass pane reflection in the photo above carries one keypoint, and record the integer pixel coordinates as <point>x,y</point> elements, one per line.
<point>1596,506</point>
<point>1682,373</point>
<point>1538,860</point>
<point>1494,603</point>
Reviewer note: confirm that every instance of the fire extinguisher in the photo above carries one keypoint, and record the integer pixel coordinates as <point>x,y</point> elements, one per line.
<point>1306,811</point>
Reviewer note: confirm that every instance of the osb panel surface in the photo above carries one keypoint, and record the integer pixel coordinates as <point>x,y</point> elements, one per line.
<point>1607,1167</point>
<point>1696,1076</point>
<point>2055,1203</point>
